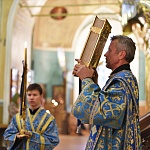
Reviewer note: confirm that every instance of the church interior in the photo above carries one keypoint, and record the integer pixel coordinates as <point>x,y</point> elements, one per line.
<point>54,34</point>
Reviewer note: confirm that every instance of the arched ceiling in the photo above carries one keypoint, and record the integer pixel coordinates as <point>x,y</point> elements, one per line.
<point>82,7</point>
<point>50,32</point>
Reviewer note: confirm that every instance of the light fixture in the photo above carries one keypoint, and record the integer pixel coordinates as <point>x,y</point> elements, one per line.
<point>58,13</point>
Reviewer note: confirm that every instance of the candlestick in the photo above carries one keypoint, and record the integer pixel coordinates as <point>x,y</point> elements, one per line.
<point>25,52</point>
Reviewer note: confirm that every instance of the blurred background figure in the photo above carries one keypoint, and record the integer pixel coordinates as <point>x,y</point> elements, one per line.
<point>13,107</point>
<point>43,100</point>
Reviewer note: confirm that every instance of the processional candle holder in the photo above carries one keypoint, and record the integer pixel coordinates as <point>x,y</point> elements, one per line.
<point>23,95</point>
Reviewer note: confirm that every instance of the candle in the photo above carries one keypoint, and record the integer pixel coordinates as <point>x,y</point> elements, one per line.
<point>25,52</point>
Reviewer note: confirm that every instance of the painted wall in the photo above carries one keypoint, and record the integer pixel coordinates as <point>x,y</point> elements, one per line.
<point>4,13</point>
<point>142,76</point>
<point>47,70</point>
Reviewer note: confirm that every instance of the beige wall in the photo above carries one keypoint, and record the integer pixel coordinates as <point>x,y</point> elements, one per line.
<point>4,7</point>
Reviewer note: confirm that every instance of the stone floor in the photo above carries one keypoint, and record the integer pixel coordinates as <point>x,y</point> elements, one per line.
<point>72,142</point>
<point>69,142</point>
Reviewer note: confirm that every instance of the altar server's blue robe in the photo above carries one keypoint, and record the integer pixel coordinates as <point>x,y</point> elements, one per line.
<point>43,127</point>
<point>113,112</point>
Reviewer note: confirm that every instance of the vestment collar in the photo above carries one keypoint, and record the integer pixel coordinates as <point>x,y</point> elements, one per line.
<point>120,68</point>
<point>32,112</point>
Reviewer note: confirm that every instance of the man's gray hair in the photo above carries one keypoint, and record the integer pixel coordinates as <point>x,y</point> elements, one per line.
<point>125,43</point>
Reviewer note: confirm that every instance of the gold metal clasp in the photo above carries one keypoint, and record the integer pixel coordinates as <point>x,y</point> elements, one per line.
<point>96,30</point>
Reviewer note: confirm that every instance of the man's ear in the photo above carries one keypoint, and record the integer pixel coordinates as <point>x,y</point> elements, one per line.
<point>122,54</point>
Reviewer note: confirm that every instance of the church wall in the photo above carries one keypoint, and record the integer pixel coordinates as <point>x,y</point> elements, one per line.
<point>4,11</point>
<point>142,76</point>
<point>47,70</point>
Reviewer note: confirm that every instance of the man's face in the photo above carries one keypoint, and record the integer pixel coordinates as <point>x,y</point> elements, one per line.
<point>112,56</point>
<point>34,99</point>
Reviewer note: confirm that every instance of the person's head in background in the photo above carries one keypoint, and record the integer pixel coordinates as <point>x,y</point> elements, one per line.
<point>34,96</point>
<point>16,99</point>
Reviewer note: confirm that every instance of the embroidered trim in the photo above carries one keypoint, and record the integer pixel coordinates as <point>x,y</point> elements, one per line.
<point>97,137</point>
<point>30,119</point>
<point>18,121</point>
<point>27,144</point>
<point>40,124</point>
<point>46,124</point>
<point>93,112</point>
<point>35,115</point>
<point>42,143</point>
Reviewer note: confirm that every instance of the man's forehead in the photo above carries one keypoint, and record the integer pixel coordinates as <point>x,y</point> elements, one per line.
<point>33,91</point>
<point>113,43</point>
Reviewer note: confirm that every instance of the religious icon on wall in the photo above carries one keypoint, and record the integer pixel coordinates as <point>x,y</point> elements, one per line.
<point>59,94</point>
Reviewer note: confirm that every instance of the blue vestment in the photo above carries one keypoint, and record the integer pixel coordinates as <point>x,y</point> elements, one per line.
<point>113,112</point>
<point>43,128</point>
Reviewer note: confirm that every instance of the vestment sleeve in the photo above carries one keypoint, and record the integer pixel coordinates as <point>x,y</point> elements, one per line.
<point>101,107</point>
<point>10,135</point>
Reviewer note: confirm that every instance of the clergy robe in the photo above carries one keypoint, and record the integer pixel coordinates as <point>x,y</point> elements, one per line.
<point>113,112</point>
<point>43,128</point>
